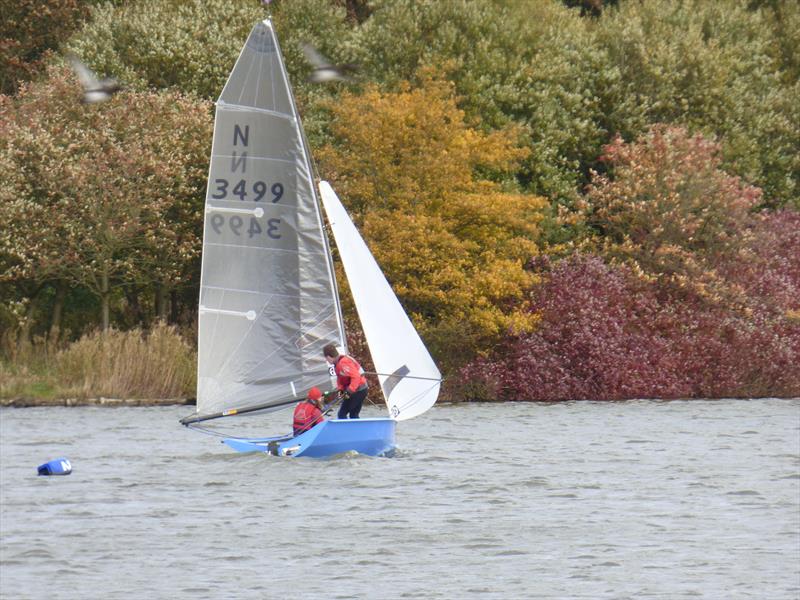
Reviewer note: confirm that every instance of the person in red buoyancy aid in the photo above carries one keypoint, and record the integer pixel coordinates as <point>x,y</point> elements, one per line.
<point>350,382</point>
<point>308,412</point>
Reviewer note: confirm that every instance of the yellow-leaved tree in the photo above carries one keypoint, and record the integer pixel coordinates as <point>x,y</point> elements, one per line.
<point>434,200</point>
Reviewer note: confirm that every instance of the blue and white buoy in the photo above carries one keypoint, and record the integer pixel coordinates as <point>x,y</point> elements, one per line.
<point>57,466</point>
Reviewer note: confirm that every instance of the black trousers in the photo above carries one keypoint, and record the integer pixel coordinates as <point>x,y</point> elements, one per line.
<point>352,406</point>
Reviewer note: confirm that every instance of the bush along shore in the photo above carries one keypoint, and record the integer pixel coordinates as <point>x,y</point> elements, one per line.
<point>131,368</point>
<point>595,203</point>
<point>38,402</point>
<point>570,203</point>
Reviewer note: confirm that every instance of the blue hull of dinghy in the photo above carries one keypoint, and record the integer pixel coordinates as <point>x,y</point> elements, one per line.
<point>372,437</point>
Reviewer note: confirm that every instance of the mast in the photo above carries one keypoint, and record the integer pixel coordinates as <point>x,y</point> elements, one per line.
<point>313,185</point>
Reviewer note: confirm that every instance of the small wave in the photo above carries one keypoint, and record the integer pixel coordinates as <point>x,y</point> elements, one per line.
<point>498,501</point>
<point>511,553</point>
<point>535,482</point>
<point>351,455</point>
<point>400,453</point>
<point>163,514</point>
<point>79,513</point>
<point>434,458</point>
<point>62,572</point>
<point>43,443</point>
<point>481,546</point>
<point>213,484</point>
<point>35,553</point>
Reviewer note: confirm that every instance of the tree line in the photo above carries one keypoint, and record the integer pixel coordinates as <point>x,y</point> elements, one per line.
<point>534,178</point>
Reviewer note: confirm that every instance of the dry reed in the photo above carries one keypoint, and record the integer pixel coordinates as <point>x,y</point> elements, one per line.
<point>133,364</point>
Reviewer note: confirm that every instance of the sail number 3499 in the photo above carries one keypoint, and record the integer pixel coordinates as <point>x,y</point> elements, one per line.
<point>240,190</point>
<point>236,223</point>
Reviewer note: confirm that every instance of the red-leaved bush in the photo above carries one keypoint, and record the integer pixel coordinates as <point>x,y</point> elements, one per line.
<point>701,297</point>
<point>605,334</point>
<point>768,271</point>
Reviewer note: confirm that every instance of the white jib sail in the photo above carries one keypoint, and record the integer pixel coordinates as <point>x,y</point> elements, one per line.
<point>268,301</point>
<point>409,378</point>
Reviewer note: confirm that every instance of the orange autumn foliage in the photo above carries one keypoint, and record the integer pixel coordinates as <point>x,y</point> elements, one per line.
<point>431,194</point>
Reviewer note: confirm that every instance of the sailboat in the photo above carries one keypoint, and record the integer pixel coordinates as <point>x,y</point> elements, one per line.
<point>269,302</point>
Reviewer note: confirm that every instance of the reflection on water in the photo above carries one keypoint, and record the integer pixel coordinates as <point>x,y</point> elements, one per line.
<point>576,500</point>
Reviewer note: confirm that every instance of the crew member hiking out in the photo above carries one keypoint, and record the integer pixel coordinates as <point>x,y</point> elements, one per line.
<point>308,412</point>
<point>350,382</point>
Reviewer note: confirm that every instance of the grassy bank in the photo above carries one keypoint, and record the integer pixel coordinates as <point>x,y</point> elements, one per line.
<point>144,367</point>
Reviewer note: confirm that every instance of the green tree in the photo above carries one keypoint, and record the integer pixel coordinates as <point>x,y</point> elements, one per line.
<point>717,68</point>
<point>573,83</point>
<point>101,196</point>
<point>189,45</point>
<point>171,43</point>
<point>783,21</point>
<point>535,64</point>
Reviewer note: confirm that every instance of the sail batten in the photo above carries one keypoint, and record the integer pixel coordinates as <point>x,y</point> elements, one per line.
<point>254,109</point>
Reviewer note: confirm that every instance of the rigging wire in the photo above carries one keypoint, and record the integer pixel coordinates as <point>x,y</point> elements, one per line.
<point>439,379</point>
<point>206,431</point>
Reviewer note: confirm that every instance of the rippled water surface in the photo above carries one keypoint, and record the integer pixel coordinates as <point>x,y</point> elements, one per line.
<point>577,500</point>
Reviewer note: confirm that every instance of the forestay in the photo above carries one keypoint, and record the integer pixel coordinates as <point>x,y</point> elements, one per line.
<point>408,376</point>
<point>268,301</point>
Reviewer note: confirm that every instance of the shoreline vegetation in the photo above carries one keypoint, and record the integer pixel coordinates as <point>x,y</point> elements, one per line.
<point>572,199</point>
<point>110,402</point>
<point>138,367</point>
<point>157,367</point>
<point>151,402</point>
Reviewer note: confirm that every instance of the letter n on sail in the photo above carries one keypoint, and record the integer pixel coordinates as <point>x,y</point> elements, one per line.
<point>239,134</point>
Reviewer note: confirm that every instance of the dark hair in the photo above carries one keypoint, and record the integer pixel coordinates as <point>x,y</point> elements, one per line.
<point>330,350</point>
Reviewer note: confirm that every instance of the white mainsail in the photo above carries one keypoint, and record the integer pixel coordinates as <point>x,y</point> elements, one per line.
<point>268,299</point>
<point>408,376</point>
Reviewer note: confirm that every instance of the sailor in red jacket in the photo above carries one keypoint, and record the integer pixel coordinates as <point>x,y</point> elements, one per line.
<point>308,412</point>
<point>350,381</point>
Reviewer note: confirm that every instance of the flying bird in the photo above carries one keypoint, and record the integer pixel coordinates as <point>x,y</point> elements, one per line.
<point>324,70</point>
<point>94,89</point>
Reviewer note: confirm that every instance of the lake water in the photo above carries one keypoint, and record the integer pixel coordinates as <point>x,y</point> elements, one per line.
<point>639,499</point>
